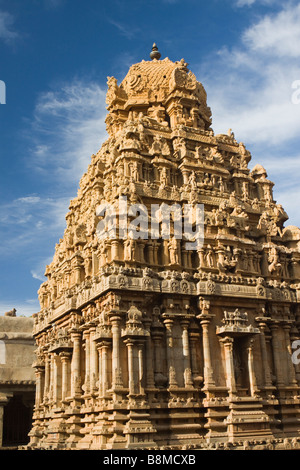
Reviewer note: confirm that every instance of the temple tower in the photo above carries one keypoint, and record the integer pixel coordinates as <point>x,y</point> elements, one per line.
<point>151,334</point>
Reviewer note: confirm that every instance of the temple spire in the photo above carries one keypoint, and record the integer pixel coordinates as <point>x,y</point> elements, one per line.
<point>155,54</point>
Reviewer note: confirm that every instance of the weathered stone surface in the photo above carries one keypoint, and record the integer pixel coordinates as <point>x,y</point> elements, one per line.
<point>144,343</point>
<point>17,377</point>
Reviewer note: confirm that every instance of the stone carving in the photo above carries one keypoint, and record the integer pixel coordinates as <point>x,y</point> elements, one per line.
<point>144,343</point>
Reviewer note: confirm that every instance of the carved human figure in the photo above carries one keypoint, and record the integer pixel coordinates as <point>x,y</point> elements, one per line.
<point>209,257</point>
<point>129,250</point>
<point>173,251</point>
<point>273,259</point>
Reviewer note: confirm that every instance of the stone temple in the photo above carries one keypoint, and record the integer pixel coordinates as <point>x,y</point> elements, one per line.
<point>145,343</point>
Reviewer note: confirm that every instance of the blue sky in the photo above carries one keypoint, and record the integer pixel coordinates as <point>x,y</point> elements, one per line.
<point>55,57</point>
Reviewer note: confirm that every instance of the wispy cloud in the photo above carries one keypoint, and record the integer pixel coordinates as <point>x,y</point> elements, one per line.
<point>277,34</point>
<point>68,127</point>
<point>248,3</point>
<point>7,31</point>
<point>250,85</point>
<point>125,29</point>
<point>27,222</point>
<point>250,90</point>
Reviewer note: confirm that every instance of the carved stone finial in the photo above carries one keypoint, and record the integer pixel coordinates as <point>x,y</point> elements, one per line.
<point>11,313</point>
<point>155,54</point>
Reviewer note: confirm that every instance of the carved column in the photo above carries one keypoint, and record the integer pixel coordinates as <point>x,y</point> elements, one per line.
<point>252,378</point>
<point>208,369</point>
<point>150,253</point>
<point>188,382</point>
<point>52,384</point>
<point>159,378</point>
<point>55,377</point>
<point>100,386</point>
<point>93,361</point>
<point>116,365</point>
<point>131,385</point>
<point>39,373</point>
<point>194,339</point>
<point>114,249</point>
<point>75,365</point>
<point>140,347</point>
<point>229,366</point>
<point>170,352</point>
<point>290,366</point>
<point>277,356</point>
<point>47,378</point>
<point>149,357</point>
<point>104,361</point>
<point>65,362</point>
<point>264,355</point>
<point>86,338</point>
<point>201,257</point>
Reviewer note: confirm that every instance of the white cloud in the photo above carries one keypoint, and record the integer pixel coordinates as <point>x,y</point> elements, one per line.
<point>68,127</point>
<point>248,3</point>
<point>277,34</point>
<point>250,86</point>
<point>7,33</point>
<point>250,90</point>
<point>126,30</point>
<point>30,221</point>
<point>242,3</point>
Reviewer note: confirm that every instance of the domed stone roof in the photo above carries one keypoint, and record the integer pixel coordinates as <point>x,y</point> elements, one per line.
<point>259,170</point>
<point>163,82</point>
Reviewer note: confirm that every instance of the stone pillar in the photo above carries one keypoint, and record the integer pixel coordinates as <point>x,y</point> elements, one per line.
<point>52,387</point>
<point>141,368</point>
<point>39,373</point>
<point>100,373</point>
<point>201,257</point>
<point>170,352</point>
<point>131,385</point>
<point>188,382</point>
<point>116,364</point>
<point>65,361</point>
<point>150,253</point>
<point>55,379</point>
<point>208,369</point>
<point>290,366</point>
<point>252,378</point>
<point>93,361</point>
<point>264,355</point>
<point>104,379</point>
<point>114,249</point>
<point>149,357</point>
<point>277,357</point>
<point>3,401</point>
<point>86,338</point>
<point>229,366</point>
<point>159,378</point>
<point>47,379</point>
<point>75,365</point>
<point>194,339</point>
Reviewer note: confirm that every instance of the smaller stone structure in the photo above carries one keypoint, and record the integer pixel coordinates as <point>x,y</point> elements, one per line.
<point>17,378</point>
